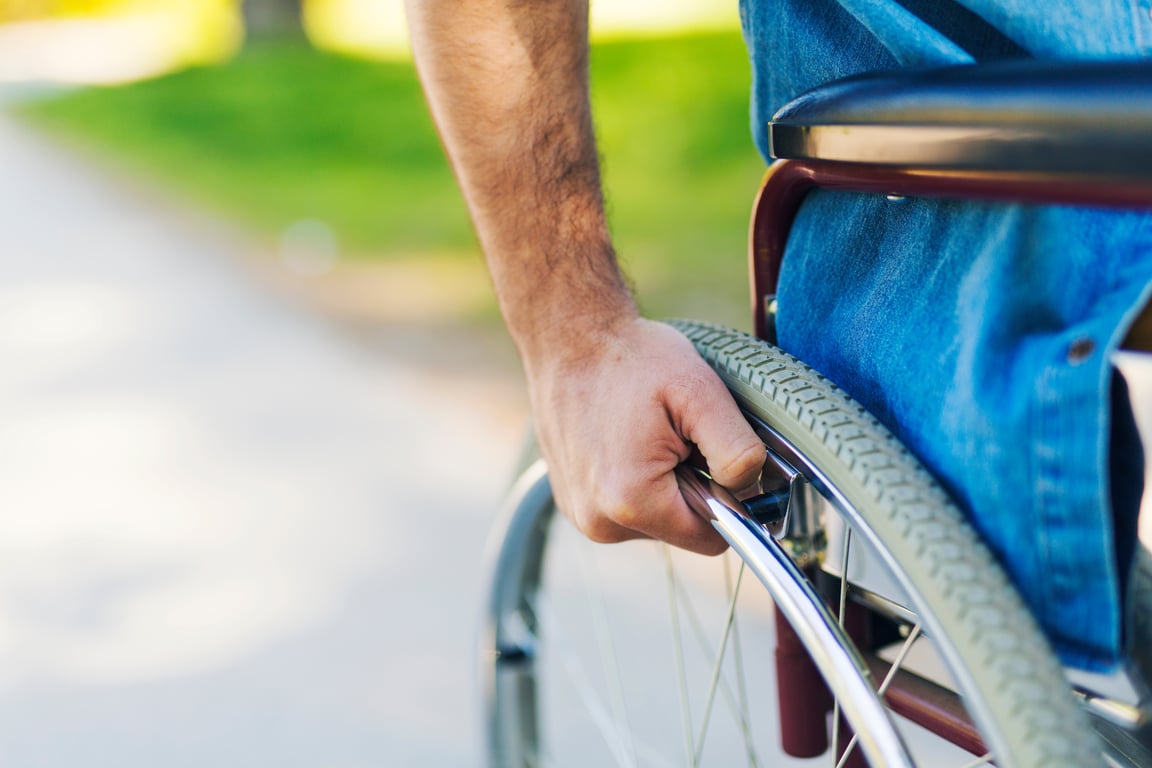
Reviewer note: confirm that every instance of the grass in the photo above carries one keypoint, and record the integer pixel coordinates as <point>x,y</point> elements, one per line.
<point>286,133</point>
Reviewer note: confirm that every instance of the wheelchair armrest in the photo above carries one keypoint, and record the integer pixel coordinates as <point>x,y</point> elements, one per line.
<point>1080,118</point>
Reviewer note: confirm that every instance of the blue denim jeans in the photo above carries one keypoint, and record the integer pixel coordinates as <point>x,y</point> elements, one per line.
<point>979,333</point>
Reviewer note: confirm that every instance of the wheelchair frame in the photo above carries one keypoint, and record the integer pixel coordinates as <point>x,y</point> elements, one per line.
<point>1084,137</point>
<point>957,133</point>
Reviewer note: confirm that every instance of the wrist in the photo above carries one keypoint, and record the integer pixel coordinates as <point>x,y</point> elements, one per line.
<point>562,297</point>
<point>570,331</point>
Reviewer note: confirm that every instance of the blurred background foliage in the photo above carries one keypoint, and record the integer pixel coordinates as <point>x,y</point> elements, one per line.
<point>315,114</point>
<point>17,10</point>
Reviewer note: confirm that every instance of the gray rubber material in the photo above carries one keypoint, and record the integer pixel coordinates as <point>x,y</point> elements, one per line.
<point>1012,683</point>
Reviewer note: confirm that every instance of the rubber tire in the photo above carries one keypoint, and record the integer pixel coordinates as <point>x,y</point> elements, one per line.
<point>1010,678</point>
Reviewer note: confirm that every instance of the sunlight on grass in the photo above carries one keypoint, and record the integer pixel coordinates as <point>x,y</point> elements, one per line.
<point>282,134</point>
<point>286,134</point>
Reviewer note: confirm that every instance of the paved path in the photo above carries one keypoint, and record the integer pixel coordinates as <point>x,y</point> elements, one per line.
<point>230,535</point>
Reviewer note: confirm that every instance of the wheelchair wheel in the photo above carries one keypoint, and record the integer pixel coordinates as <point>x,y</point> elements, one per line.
<point>595,655</point>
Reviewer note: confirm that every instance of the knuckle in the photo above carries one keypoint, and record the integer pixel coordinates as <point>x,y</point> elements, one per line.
<point>625,514</point>
<point>686,392</point>
<point>597,533</point>
<point>621,500</point>
<point>607,512</point>
<point>600,530</point>
<point>598,526</point>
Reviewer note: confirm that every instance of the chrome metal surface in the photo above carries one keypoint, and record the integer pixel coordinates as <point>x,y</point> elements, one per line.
<point>806,538</point>
<point>1124,747</point>
<point>882,605</point>
<point>845,672</point>
<point>1089,118</point>
<point>820,482</point>
<point>1119,714</point>
<point>884,685</point>
<point>1118,705</point>
<point>1119,696</point>
<point>794,520</point>
<point>511,683</point>
<point>1057,149</point>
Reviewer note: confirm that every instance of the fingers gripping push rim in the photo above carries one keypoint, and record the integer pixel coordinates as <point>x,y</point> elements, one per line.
<point>1012,685</point>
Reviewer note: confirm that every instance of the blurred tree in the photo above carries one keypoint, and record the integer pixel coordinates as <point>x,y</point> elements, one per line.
<point>273,19</point>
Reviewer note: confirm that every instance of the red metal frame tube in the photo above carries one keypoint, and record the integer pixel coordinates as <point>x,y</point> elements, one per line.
<point>787,182</point>
<point>930,705</point>
<point>804,700</point>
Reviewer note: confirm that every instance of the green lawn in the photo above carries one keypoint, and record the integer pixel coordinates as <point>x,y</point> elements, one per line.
<point>282,133</point>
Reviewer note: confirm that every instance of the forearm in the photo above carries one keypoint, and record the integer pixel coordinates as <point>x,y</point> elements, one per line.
<point>618,401</point>
<point>508,85</point>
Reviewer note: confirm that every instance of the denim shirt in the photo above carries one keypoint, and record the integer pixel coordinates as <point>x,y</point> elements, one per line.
<point>979,333</point>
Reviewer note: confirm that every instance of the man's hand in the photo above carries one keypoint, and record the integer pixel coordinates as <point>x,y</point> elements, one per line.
<point>614,421</point>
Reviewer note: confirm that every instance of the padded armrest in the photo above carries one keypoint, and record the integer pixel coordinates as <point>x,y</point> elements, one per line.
<point>1090,118</point>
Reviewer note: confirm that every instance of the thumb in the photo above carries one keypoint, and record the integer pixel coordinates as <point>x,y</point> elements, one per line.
<point>714,423</point>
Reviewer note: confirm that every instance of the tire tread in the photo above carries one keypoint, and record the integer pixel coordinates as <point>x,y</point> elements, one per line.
<point>994,635</point>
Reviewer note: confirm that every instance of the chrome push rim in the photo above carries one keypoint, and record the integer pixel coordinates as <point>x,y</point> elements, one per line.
<point>514,620</point>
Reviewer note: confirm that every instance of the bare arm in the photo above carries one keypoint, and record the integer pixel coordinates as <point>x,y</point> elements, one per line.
<point>507,82</point>
<point>619,401</point>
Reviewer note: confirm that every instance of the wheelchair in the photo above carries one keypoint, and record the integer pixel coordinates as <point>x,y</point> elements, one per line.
<point>898,639</point>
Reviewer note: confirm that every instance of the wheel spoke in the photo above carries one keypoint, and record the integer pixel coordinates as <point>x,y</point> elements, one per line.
<point>678,648</point>
<point>888,678</point>
<point>573,668</point>
<point>701,636</point>
<point>718,666</point>
<point>904,649</point>
<point>608,658</point>
<point>844,573</point>
<point>840,618</point>
<point>605,723</point>
<point>741,688</point>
